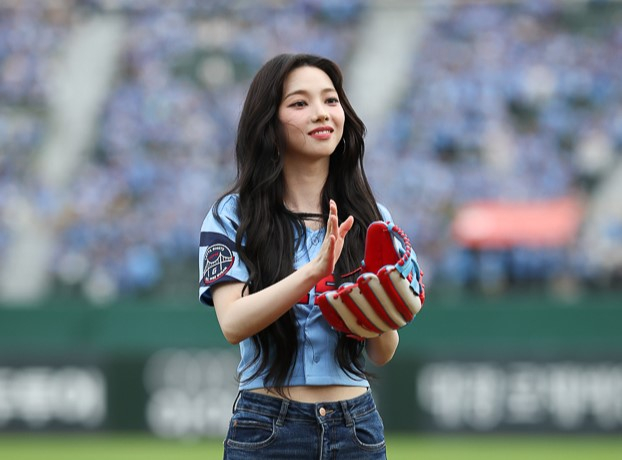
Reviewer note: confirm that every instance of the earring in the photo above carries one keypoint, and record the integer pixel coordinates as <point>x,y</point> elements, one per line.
<point>343,151</point>
<point>276,158</point>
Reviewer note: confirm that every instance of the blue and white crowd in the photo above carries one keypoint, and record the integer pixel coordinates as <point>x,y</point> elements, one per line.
<point>515,102</point>
<point>504,102</point>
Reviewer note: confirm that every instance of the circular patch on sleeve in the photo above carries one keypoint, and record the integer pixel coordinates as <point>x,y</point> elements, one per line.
<point>217,261</point>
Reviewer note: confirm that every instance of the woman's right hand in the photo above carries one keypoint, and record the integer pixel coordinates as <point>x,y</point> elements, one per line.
<point>332,245</point>
<point>241,316</point>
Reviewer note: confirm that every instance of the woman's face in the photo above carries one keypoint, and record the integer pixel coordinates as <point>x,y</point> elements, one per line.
<point>311,114</point>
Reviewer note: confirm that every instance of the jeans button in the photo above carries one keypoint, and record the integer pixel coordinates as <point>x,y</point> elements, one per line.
<point>322,411</point>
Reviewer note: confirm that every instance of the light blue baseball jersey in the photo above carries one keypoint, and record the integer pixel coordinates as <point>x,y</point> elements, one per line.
<point>219,262</point>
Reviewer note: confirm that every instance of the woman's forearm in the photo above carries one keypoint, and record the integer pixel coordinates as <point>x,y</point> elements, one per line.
<point>241,317</point>
<point>380,350</point>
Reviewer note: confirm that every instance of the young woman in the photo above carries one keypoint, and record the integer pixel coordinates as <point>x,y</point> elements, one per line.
<point>293,226</point>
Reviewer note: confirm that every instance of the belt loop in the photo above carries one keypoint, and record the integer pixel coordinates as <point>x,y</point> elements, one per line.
<point>284,405</point>
<point>235,402</point>
<point>346,413</point>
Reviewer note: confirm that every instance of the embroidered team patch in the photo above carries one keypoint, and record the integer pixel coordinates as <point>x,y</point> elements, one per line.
<point>217,261</point>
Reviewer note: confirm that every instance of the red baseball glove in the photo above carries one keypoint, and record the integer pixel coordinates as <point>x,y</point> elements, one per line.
<point>386,296</point>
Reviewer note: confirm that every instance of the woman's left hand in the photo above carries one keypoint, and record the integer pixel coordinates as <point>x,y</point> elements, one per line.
<point>333,241</point>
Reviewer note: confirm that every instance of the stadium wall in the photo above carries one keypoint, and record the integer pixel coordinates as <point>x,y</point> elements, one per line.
<point>528,362</point>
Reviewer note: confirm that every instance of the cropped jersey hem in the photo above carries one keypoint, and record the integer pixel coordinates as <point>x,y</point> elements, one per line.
<point>311,382</point>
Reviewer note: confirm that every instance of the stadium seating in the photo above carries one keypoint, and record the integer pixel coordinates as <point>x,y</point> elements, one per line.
<point>505,102</point>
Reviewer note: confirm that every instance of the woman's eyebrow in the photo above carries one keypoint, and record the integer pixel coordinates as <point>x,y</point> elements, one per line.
<point>304,92</point>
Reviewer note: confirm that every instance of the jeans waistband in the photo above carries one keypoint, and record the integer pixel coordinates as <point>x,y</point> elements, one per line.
<point>284,409</point>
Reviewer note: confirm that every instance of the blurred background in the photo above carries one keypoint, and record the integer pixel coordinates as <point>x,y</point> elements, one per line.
<point>494,136</point>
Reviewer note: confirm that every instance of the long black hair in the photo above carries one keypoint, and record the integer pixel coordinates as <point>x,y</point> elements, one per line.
<point>265,222</point>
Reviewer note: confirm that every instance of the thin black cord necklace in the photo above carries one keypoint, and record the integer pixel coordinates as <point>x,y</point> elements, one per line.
<point>309,216</point>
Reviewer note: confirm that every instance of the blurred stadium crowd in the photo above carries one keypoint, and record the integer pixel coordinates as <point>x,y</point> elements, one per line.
<point>516,101</point>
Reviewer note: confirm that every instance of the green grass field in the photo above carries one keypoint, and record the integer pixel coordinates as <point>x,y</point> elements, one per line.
<point>400,447</point>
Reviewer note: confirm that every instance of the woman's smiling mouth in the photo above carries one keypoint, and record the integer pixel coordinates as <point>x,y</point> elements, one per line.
<point>323,132</point>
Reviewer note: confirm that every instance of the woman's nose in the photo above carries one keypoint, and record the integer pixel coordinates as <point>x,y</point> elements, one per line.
<point>322,117</point>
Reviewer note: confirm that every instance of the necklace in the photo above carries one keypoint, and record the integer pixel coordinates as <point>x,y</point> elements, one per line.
<point>309,216</point>
<point>312,221</point>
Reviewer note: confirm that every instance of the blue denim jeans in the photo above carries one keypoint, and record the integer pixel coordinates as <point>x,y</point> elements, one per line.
<point>266,427</point>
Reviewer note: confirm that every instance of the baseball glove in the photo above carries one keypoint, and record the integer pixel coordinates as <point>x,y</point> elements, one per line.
<point>386,296</point>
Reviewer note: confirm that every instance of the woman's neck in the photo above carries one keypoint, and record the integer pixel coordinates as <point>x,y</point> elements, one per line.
<point>303,188</point>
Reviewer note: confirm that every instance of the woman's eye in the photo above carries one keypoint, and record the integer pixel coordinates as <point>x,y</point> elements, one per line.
<point>298,104</point>
<point>332,100</point>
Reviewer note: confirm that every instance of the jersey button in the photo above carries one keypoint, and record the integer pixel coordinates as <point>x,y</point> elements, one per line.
<point>322,411</point>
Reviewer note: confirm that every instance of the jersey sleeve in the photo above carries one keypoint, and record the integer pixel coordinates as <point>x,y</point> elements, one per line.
<point>386,215</point>
<point>219,261</point>
<point>416,282</point>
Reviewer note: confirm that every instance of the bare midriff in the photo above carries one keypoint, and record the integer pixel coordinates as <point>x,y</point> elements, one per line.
<point>314,394</point>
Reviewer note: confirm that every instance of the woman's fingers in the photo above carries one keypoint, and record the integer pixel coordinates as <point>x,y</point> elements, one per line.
<point>345,227</point>
<point>333,241</point>
<point>333,222</point>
